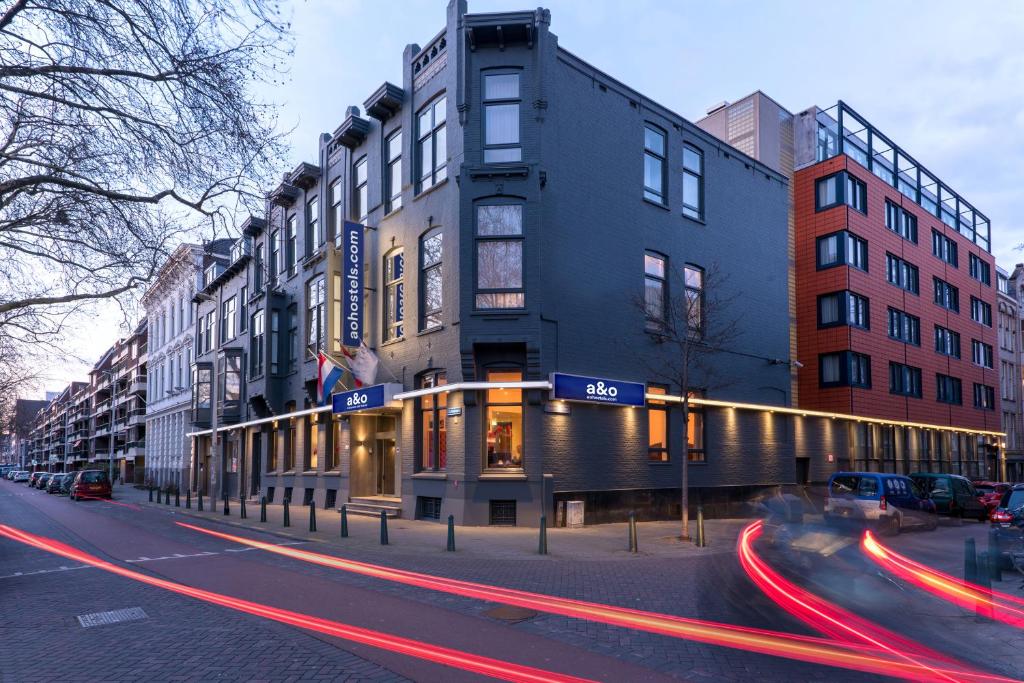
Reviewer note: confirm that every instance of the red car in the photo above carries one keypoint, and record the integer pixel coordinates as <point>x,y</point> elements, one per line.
<point>991,493</point>
<point>91,484</point>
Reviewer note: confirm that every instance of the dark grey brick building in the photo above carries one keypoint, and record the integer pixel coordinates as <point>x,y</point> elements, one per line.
<point>519,206</point>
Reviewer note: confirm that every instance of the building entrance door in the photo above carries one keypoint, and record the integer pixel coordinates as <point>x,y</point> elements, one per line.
<point>256,464</point>
<point>384,456</point>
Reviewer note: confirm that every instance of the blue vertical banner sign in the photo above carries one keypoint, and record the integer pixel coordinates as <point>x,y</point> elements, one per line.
<point>352,274</point>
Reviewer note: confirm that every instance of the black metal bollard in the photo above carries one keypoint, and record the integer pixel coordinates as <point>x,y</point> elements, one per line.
<point>177,498</point>
<point>188,499</point>
<point>227,511</point>
<point>542,546</point>
<point>451,534</point>
<point>344,521</point>
<point>167,497</point>
<point>199,496</point>
<point>263,508</point>
<point>241,508</point>
<point>383,527</point>
<point>701,538</point>
<point>312,516</point>
<point>150,494</point>
<point>970,561</point>
<point>287,515</point>
<point>633,541</point>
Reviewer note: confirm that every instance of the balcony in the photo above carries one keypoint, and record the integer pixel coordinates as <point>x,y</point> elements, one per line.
<point>138,385</point>
<point>137,417</point>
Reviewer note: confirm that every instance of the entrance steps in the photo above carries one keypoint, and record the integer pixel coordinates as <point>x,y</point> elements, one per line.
<point>371,506</point>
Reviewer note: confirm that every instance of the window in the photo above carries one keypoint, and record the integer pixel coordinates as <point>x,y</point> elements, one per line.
<point>840,188</point>
<point>316,316</point>
<point>904,327</point>
<point>501,118</point>
<point>394,295</point>
<point>901,273</point>
<point>312,445</point>
<point>314,228</point>
<point>693,182</point>
<point>289,445</point>
<point>431,144</point>
<point>257,344</point>
<point>948,390</point>
<point>360,197</point>
<point>393,176</point>
<point>275,253</point>
<point>981,353</point>
<point>227,320</point>
<point>290,245</point>
<point>230,375</point>
<point>1002,283</point>
<point>654,164</point>
<point>293,337</point>
<point>944,248</point>
<point>947,342</point>
<point>979,270</point>
<point>499,256</point>
<point>842,248</point>
<point>695,434</point>
<point>211,327</point>
<point>433,424</point>
<point>202,387</point>
<point>904,380</point>
<point>946,295</point>
<point>504,428</point>
<point>243,308</point>
<point>693,279</point>
<point>844,369</point>
<point>901,221</point>
<point>271,453</point>
<point>275,345</point>
<point>981,312</point>
<point>336,218</point>
<point>655,294</point>
<point>657,426</point>
<point>334,452</point>
<point>431,279</point>
<point>844,308</point>
<point>201,336</point>
<point>984,397</point>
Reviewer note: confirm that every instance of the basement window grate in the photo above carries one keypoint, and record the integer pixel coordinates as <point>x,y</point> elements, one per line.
<point>503,513</point>
<point>429,508</point>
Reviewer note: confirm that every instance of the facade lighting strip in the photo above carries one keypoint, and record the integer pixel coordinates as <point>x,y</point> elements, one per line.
<point>544,384</point>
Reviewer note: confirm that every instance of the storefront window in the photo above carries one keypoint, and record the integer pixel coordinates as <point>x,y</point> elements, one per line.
<point>695,434</point>
<point>657,427</point>
<point>433,421</point>
<point>312,444</point>
<point>504,426</point>
<point>289,446</point>
<point>334,453</point>
<point>272,449</point>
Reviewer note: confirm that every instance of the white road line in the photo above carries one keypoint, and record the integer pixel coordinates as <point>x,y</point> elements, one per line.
<point>46,571</point>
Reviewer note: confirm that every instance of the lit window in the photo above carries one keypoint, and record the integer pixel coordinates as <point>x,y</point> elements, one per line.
<point>433,423</point>
<point>657,427</point>
<point>504,428</point>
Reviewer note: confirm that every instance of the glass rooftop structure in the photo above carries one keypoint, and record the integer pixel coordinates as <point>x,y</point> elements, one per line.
<point>841,130</point>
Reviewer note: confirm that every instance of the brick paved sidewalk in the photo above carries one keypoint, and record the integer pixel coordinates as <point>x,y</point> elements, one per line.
<point>596,542</point>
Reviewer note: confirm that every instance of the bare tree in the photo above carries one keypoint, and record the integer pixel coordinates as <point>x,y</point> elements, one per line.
<point>124,126</point>
<point>690,328</point>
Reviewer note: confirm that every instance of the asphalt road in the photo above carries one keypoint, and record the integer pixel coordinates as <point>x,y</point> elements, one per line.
<point>181,638</point>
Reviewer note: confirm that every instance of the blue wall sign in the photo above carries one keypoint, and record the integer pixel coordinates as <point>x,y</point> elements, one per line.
<point>352,294</point>
<point>611,392</point>
<point>366,398</point>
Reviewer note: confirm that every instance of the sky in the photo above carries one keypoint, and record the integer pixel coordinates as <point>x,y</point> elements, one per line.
<point>944,80</point>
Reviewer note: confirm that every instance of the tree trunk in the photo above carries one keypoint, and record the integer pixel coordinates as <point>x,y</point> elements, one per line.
<point>685,535</point>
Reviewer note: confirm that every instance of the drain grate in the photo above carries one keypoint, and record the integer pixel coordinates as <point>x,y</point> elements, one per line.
<point>113,617</point>
<point>510,613</point>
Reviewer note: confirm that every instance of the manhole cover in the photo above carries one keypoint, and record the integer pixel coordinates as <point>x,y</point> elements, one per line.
<point>510,613</point>
<point>113,617</point>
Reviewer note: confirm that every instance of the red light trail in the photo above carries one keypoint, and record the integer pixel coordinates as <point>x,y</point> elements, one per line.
<point>849,655</point>
<point>996,604</point>
<point>441,655</point>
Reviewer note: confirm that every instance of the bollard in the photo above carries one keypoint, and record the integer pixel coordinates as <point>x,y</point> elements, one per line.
<point>701,540</point>
<point>227,511</point>
<point>167,497</point>
<point>241,508</point>
<point>633,548</point>
<point>150,494</point>
<point>287,516</point>
<point>983,608</point>
<point>451,534</point>
<point>188,499</point>
<point>199,495</point>
<point>383,528</point>
<point>177,497</point>
<point>970,561</point>
<point>344,521</point>
<point>995,557</point>
<point>263,508</point>
<point>542,546</point>
<point>312,516</point>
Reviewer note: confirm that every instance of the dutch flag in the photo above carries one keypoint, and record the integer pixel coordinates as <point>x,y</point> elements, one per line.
<point>328,375</point>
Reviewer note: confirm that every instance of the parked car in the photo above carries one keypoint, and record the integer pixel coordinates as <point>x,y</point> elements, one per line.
<point>952,494</point>
<point>66,482</point>
<point>53,486</point>
<point>1007,522</point>
<point>991,493</point>
<point>33,478</point>
<point>43,479</point>
<point>91,484</point>
<point>888,502</point>
<point>21,476</point>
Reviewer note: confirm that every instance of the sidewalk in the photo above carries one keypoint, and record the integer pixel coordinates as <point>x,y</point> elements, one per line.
<point>418,537</point>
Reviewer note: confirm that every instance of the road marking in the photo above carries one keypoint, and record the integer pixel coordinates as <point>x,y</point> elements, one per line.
<point>112,617</point>
<point>61,568</point>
